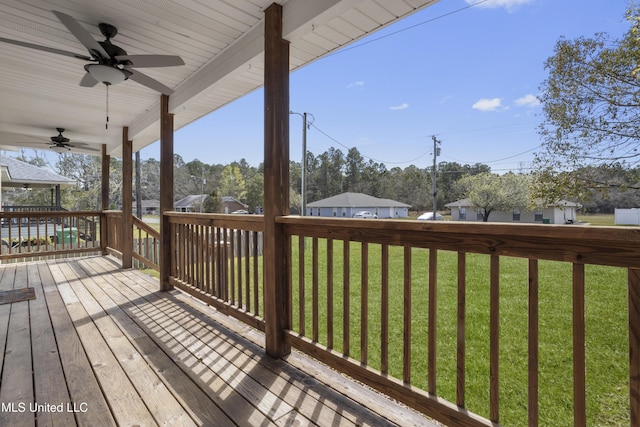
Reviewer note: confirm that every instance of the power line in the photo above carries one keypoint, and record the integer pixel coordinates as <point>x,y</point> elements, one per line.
<point>407,28</point>
<point>363,155</point>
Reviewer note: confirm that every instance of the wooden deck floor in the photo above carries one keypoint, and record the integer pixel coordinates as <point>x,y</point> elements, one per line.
<point>100,346</point>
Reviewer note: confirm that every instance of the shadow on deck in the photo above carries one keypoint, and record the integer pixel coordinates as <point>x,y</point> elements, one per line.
<point>102,346</point>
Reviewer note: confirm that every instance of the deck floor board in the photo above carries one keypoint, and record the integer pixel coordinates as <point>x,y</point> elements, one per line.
<point>108,348</point>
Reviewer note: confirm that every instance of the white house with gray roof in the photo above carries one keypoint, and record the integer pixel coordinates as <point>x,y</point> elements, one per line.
<point>346,204</point>
<point>561,212</point>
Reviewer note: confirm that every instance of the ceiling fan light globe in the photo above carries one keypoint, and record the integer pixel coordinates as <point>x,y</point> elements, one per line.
<point>106,74</point>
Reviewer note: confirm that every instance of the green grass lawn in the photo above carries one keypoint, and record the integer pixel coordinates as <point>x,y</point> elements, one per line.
<point>597,219</point>
<point>607,349</point>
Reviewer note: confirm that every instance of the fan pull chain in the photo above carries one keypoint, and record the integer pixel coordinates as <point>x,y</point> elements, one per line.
<point>106,125</point>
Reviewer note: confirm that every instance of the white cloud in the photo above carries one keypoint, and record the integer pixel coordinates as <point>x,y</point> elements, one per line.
<point>486,104</point>
<point>494,4</point>
<point>358,84</point>
<point>528,101</point>
<point>402,106</point>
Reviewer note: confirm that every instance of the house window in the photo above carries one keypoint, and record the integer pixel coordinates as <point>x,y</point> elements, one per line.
<point>463,214</point>
<point>335,211</point>
<point>479,216</point>
<point>516,215</point>
<point>537,216</point>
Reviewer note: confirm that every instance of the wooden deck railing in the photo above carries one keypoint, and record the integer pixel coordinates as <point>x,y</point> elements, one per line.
<point>112,233</point>
<point>44,234</point>
<point>365,299</point>
<point>146,245</point>
<point>146,241</point>
<point>217,258</point>
<point>397,272</point>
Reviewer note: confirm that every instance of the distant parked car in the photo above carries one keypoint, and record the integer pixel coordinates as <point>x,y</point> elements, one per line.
<point>240,212</point>
<point>429,216</point>
<point>364,214</point>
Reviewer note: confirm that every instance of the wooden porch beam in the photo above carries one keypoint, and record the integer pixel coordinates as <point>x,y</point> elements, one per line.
<point>127,199</point>
<point>166,190</point>
<point>276,183</point>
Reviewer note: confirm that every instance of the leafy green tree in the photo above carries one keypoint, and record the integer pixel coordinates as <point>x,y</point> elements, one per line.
<point>255,191</point>
<point>591,102</point>
<point>212,203</point>
<point>354,168</point>
<point>489,192</point>
<point>232,183</point>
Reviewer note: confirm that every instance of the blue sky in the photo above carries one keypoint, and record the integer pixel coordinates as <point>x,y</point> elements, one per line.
<point>468,74</point>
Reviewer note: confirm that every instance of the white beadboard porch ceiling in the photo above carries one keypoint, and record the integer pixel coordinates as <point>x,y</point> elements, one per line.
<point>221,42</point>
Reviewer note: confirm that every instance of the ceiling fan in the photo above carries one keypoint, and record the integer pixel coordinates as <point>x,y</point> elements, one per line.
<point>110,63</point>
<point>59,144</point>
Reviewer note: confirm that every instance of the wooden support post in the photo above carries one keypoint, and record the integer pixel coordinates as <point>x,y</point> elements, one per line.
<point>166,190</point>
<point>276,183</point>
<point>104,200</point>
<point>127,200</point>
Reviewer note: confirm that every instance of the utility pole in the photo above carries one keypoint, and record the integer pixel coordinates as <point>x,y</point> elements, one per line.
<point>436,153</point>
<point>303,187</point>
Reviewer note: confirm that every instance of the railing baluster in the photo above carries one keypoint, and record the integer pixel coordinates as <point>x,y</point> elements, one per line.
<point>231,263</point>
<point>208,258</point>
<point>364,304</point>
<point>330,293</point>
<point>579,374</point>
<point>217,268</point>
<point>346,292</point>
<point>202,246</point>
<point>314,290</point>
<point>247,270</point>
<point>239,262</point>
<point>384,310</point>
<point>461,329</point>
<point>301,286</point>
<point>533,342</point>
<point>494,340</point>
<point>256,293</point>
<point>433,311</point>
<point>406,354</point>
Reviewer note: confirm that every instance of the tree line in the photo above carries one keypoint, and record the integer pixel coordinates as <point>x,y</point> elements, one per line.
<point>327,174</point>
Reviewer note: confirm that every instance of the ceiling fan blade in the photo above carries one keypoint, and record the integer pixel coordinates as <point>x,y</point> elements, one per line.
<point>88,81</point>
<point>140,61</point>
<point>81,34</point>
<point>44,48</point>
<point>147,81</point>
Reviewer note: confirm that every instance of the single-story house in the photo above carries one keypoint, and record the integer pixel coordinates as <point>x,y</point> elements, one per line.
<point>190,203</point>
<point>561,212</point>
<point>346,204</point>
<point>193,202</point>
<point>231,204</point>
<point>149,207</point>
<point>15,173</point>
